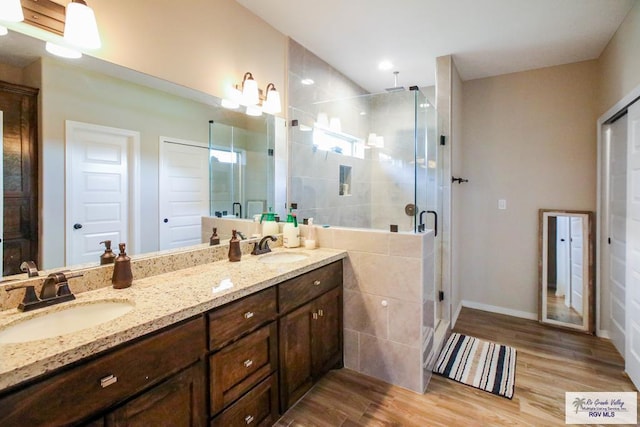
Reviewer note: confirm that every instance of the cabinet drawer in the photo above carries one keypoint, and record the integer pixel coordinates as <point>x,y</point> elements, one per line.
<point>302,289</point>
<point>241,365</point>
<point>259,407</point>
<point>86,389</point>
<point>239,317</point>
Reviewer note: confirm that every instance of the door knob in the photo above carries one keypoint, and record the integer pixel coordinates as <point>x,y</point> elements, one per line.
<point>77,226</point>
<point>166,220</point>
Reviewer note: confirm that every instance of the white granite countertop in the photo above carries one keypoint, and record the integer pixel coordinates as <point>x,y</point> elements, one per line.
<point>159,301</point>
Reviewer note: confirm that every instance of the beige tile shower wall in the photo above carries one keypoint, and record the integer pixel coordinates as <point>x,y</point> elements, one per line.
<point>385,325</point>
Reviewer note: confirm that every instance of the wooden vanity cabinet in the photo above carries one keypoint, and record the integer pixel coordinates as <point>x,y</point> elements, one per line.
<point>311,334</point>
<point>244,361</point>
<point>97,385</point>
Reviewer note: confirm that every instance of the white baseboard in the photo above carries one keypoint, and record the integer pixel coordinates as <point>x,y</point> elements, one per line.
<point>499,310</point>
<point>455,315</point>
<point>603,333</point>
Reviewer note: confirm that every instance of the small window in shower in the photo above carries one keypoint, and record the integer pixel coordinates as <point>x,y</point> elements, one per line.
<point>345,181</point>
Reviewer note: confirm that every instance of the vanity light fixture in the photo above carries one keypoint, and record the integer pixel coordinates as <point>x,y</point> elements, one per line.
<point>250,92</point>
<point>80,28</point>
<point>272,103</point>
<point>3,31</point>
<point>62,51</point>
<point>248,95</point>
<point>11,11</point>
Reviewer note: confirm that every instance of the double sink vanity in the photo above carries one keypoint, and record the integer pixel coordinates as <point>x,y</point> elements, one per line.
<point>178,348</point>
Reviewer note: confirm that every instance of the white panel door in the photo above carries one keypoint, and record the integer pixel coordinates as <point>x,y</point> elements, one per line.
<point>577,264</point>
<point>632,347</point>
<point>99,189</point>
<point>184,192</point>
<point>617,225</point>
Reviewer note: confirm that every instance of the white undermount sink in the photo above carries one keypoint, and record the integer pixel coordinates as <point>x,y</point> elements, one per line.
<point>283,257</point>
<point>60,320</point>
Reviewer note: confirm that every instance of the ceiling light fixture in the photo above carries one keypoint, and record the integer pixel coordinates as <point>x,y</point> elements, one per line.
<point>307,82</point>
<point>11,11</point>
<point>80,28</point>
<point>385,65</point>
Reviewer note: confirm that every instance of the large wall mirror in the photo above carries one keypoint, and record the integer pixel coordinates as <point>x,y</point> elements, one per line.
<point>90,95</point>
<point>566,267</point>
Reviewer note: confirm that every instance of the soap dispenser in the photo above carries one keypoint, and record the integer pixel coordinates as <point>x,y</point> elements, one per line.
<point>122,275</point>
<point>310,241</point>
<point>214,239</point>
<point>291,231</point>
<point>234,247</point>
<point>269,224</point>
<point>108,257</point>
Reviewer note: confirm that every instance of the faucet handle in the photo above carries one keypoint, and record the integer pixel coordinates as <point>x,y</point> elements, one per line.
<point>30,268</point>
<point>29,294</point>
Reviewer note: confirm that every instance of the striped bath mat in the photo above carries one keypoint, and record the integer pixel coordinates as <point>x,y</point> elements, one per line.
<point>481,364</point>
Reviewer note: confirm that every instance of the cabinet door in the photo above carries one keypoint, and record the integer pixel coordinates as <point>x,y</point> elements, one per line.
<point>179,401</point>
<point>327,332</point>
<point>296,375</point>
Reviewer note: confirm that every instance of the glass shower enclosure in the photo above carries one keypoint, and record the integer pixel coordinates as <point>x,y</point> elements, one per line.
<point>370,161</point>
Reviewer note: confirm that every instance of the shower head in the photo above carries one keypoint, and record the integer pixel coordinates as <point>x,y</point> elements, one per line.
<point>395,87</point>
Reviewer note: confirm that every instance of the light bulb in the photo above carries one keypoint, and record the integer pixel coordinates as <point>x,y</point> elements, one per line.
<point>11,11</point>
<point>80,28</point>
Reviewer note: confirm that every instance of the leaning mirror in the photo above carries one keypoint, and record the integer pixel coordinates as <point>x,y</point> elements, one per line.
<point>566,269</point>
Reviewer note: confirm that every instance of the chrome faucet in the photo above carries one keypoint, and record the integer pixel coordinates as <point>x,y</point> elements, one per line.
<point>30,268</point>
<point>55,289</point>
<point>262,247</point>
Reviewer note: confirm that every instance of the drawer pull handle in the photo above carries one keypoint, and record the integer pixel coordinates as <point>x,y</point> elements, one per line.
<point>247,363</point>
<point>248,419</point>
<point>248,315</point>
<point>320,312</point>
<point>315,316</point>
<point>316,283</point>
<point>108,380</point>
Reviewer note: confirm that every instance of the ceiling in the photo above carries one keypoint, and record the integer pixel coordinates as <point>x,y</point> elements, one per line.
<point>485,37</point>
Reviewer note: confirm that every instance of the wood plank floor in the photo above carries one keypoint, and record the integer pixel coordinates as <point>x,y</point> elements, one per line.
<point>557,310</point>
<point>549,362</point>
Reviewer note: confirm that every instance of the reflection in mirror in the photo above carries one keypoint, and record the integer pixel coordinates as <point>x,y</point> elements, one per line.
<point>566,269</point>
<point>96,93</point>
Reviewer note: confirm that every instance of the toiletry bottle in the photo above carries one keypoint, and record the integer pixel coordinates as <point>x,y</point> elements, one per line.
<point>214,239</point>
<point>122,276</point>
<point>269,224</point>
<point>310,241</point>
<point>108,257</point>
<point>291,232</point>
<point>234,247</point>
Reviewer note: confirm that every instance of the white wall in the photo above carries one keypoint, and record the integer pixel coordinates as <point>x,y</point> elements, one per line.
<point>529,138</point>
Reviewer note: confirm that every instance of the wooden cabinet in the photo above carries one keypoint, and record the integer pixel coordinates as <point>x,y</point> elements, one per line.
<point>20,175</point>
<point>310,335</point>
<point>244,360</point>
<point>179,401</point>
<point>100,384</point>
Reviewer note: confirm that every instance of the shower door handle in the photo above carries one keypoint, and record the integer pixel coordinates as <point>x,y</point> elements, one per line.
<point>435,222</point>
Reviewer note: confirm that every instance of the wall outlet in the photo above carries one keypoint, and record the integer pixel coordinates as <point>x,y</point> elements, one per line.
<point>502,204</point>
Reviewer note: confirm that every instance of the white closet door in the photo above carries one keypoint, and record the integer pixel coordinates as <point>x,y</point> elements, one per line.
<point>184,192</point>
<point>632,350</point>
<point>617,222</point>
